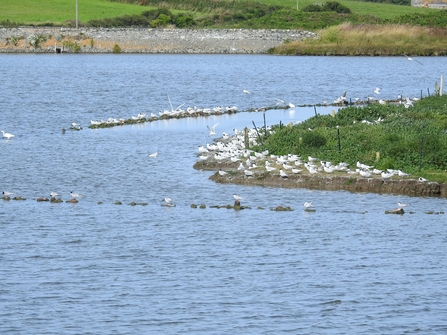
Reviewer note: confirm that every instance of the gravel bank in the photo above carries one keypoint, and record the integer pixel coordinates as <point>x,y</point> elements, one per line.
<point>144,40</point>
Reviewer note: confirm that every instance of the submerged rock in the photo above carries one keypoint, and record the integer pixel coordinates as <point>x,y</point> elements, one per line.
<point>396,211</point>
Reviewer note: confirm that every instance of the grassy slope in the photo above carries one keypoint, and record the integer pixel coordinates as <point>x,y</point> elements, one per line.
<point>58,11</point>
<point>383,11</point>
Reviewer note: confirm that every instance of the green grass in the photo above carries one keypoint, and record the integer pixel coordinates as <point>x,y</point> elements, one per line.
<point>392,143</point>
<point>383,11</point>
<point>59,11</point>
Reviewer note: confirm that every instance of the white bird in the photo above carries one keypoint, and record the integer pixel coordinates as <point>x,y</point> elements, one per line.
<point>7,135</point>
<point>422,179</point>
<point>167,200</point>
<point>54,194</point>
<point>270,168</point>
<point>246,91</point>
<point>222,173</point>
<point>296,171</point>
<point>248,173</point>
<point>212,129</point>
<point>386,175</point>
<point>75,195</point>
<point>283,174</point>
<point>153,155</point>
<point>411,59</point>
<point>402,174</point>
<point>202,149</point>
<point>237,197</point>
<point>311,159</point>
<point>365,173</point>
<point>308,204</point>
<point>7,194</point>
<point>401,205</point>
<point>377,90</point>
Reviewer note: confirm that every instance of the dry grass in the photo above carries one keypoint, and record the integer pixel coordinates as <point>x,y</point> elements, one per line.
<point>372,40</point>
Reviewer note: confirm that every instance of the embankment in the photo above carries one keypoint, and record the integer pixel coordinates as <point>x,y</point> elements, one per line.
<point>145,40</point>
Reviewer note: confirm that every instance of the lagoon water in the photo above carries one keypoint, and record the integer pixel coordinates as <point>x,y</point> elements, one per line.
<point>90,268</point>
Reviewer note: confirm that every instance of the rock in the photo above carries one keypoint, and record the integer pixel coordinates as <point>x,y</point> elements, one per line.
<point>42,199</point>
<point>73,201</point>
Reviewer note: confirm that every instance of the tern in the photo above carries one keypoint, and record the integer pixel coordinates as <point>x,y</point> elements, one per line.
<point>222,173</point>
<point>422,179</point>
<point>153,155</point>
<point>283,174</point>
<point>167,200</point>
<point>377,90</point>
<point>7,135</point>
<point>54,194</point>
<point>7,194</point>
<point>75,195</point>
<point>212,129</point>
<point>308,204</point>
<point>401,205</point>
<point>237,197</point>
<point>411,59</point>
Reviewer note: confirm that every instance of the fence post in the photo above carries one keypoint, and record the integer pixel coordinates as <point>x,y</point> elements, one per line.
<point>420,154</point>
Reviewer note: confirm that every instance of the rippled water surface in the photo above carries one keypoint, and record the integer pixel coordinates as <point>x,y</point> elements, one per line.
<point>90,268</point>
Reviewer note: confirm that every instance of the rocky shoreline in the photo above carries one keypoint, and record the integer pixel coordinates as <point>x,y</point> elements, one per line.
<point>334,182</point>
<point>145,40</point>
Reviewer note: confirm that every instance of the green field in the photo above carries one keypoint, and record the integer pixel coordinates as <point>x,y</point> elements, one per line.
<point>59,11</point>
<point>383,11</point>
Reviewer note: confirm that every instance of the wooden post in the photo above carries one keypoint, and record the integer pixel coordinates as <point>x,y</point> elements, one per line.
<point>247,143</point>
<point>442,86</point>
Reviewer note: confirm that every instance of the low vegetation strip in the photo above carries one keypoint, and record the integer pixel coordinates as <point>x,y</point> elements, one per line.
<point>370,40</point>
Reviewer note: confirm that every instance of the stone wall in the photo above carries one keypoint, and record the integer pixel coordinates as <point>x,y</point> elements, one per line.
<point>147,40</point>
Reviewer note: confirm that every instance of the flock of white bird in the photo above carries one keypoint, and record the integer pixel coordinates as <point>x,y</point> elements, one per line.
<point>174,112</point>
<point>231,148</point>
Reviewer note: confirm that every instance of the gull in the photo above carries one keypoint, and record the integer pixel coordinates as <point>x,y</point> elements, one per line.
<point>401,205</point>
<point>422,179</point>
<point>153,155</point>
<point>212,129</point>
<point>222,173</point>
<point>7,194</point>
<point>283,174</point>
<point>308,204</point>
<point>54,194</point>
<point>7,135</point>
<point>411,59</point>
<point>237,197</point>
<point>75,195</point>
<point>377,90</point>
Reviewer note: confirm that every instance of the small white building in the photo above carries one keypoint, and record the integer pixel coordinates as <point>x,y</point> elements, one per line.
<point>438,4</point>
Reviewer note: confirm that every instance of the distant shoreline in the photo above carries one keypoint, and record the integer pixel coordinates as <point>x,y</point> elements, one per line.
<point>145,40</point>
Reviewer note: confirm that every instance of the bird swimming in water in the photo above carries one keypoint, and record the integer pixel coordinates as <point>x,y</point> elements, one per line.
<point>7,135</point>
<point>153,155</point>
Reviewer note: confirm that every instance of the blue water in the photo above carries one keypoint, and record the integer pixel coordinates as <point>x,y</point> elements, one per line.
<point>91,268</point>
